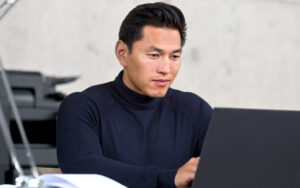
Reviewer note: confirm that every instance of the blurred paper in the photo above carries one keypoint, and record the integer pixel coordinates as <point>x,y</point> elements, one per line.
<point>78,181</point>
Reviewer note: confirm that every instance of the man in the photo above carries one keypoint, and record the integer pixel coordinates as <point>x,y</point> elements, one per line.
<point>136,129</point>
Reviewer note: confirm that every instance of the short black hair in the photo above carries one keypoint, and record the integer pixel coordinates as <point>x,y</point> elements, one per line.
<point>153,14</point>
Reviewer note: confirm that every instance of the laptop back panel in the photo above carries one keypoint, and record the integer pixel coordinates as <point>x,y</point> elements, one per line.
<point>251,148</point>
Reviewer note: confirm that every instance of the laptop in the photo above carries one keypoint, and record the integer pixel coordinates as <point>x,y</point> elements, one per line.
<point>247,148</point>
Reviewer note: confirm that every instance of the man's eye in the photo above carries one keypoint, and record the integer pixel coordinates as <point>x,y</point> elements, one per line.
<point>153,55</point>
<point>175,56</point>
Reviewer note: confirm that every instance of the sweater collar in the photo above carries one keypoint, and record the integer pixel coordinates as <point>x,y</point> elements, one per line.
<point>131,97</point>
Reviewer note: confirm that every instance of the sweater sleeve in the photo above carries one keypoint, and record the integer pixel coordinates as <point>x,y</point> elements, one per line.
<point>202,124</point>
<point>79,148</point>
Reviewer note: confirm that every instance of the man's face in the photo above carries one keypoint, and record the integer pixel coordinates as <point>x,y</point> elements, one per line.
<point>154,61</point>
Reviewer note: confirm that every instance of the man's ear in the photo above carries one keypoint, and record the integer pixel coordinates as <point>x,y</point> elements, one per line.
<point>121,51</point>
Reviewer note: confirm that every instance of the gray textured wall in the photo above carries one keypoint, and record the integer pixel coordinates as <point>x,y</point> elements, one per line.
<point>239,53</point>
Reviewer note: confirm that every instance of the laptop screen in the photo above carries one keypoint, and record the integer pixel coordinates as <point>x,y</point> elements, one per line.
<point>251,148</point>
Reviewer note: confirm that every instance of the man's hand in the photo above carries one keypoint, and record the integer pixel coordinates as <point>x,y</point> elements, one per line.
<point>186,173</point>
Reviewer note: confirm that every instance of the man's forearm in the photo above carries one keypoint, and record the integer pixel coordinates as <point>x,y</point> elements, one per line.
<point>129,175</point>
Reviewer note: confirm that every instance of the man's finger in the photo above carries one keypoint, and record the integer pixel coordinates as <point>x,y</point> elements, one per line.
<point>194,160</point>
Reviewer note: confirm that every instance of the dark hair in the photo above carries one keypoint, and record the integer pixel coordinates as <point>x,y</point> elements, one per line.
<point>154,14</point>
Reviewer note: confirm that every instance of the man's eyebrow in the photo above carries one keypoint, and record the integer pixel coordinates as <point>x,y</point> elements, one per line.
<point>155,49</point>
<point>178,50</point>
<point>160,50</point>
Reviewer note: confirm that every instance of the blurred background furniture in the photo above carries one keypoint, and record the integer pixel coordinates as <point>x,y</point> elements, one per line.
<point>38,103</point>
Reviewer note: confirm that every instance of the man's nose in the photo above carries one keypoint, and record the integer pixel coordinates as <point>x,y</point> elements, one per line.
<point>164,66</point>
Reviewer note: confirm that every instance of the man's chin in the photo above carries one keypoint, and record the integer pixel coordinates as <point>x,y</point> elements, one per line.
<point>158,94</point>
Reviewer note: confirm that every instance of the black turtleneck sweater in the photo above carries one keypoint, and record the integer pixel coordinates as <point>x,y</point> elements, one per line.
<point>136,140</point>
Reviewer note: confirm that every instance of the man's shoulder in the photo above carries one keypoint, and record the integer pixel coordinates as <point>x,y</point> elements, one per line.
<point>94,94</point>
<point>98,90</point>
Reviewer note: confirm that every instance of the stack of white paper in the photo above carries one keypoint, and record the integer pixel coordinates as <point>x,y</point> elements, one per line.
<point>74,181</point>
<point>78,181</point>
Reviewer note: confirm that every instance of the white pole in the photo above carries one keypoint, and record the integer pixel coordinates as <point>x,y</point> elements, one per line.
<point>16,113</point>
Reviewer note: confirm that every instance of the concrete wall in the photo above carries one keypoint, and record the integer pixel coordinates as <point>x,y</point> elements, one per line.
<point>239,53</point>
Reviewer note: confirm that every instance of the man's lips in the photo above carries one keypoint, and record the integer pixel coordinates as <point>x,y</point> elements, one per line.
<point>161,82</point>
